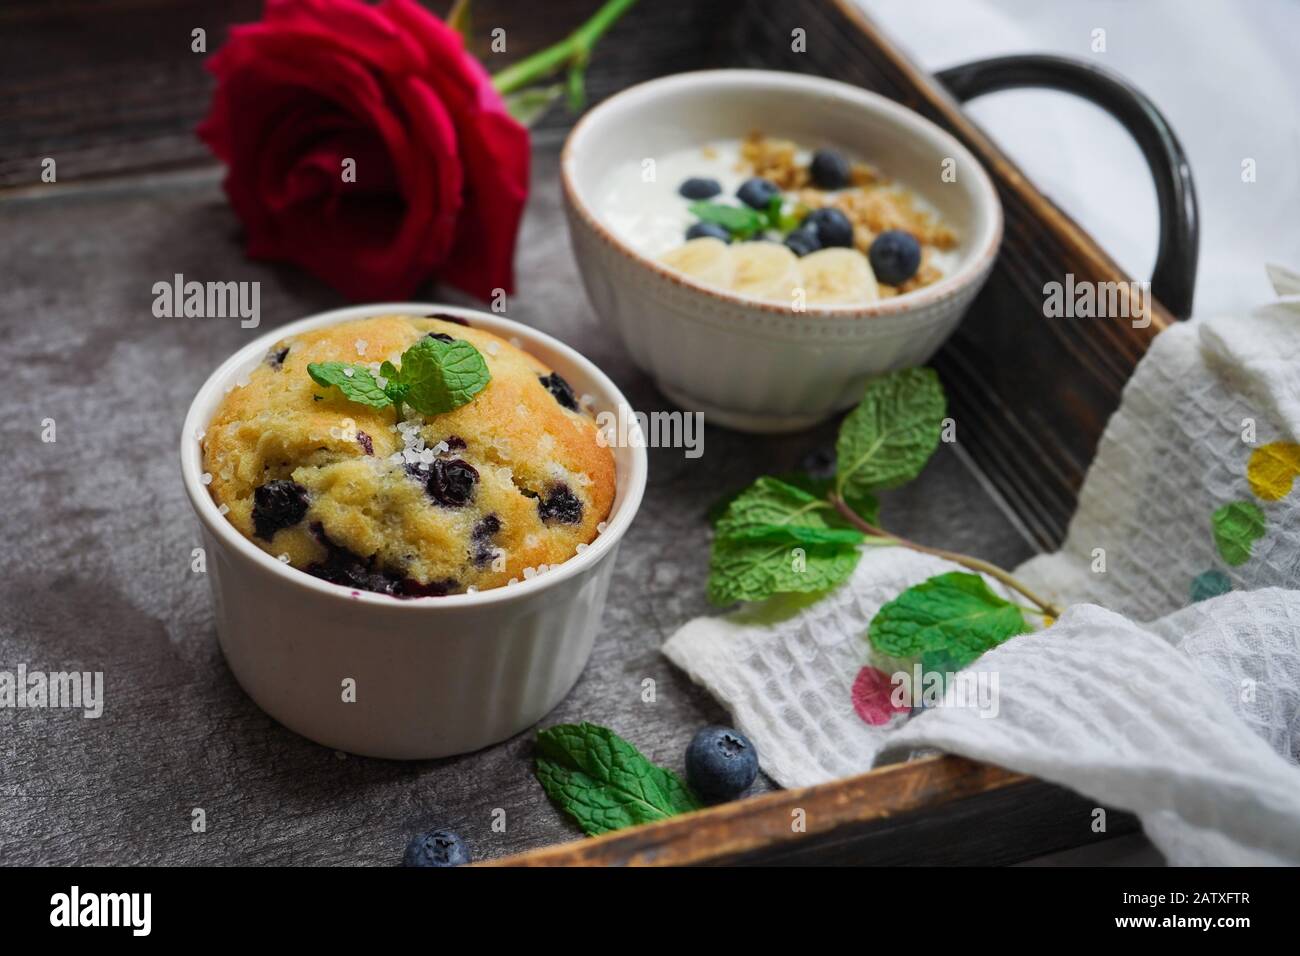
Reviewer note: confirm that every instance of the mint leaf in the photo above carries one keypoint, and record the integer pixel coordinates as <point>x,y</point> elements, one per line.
<point>772,502</point>
<point>751,570</point>
<point>741,221</point>
<point>441,376</point>
<point>796,534</point>
<point>603,782</point>
<point>354,381</point>
<point>776,538</point>
<point>888,438</point>
<point>953,617</point>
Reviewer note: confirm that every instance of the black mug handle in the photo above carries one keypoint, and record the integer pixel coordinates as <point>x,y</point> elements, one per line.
<point>1173,281</point>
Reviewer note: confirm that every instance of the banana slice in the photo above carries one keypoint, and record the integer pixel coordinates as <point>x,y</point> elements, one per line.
<point>837,276</point>
<point>765,270</point>
<point>706,259</point>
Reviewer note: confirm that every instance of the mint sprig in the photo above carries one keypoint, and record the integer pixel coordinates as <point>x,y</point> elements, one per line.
<point>436,377</point>
<point>603,782</point>
<point>798,534</point>
<point>744,222</point>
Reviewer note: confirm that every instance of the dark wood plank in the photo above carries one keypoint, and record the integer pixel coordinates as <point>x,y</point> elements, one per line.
<point>113,88</point>
<point>930,811</point>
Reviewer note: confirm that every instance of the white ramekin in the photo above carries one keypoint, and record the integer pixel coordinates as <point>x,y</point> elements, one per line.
<point>433,676</point>
<point>760,366</point>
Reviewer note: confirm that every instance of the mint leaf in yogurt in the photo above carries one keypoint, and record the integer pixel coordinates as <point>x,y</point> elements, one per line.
<point>741,221</point>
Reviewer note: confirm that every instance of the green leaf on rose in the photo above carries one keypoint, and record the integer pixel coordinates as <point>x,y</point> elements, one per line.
<point>603,782</point>
<point>953,616</point>
<point>888,438</point>
<point>528,105</point>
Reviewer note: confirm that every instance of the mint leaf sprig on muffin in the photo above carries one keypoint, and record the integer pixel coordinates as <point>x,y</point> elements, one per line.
<point>438,374</point>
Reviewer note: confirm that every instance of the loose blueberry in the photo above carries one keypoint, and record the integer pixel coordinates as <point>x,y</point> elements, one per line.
<point>757,192</point>
<point>560,389</point>
<point>708,230</point>
<point>699,188</point>
<point>803,241</point>
<point>275,358</point>
<point>276,505</point>
<point>436,848</point>
<point>560,504</point>
<point>895,256</point>
<point>451,483</point>
<point>721,763</point>
<point>831,225</point>
<point>366,442</point>
<point>830,170</point>
<point>441,336</point>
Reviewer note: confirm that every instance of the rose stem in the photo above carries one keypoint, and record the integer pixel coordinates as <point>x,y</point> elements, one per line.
<point>572,50</point>
<point>965,560</point>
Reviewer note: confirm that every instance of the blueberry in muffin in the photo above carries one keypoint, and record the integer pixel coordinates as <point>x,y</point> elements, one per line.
<point>383,497</point>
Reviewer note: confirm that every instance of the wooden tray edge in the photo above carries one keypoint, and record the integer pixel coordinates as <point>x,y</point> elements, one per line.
<point>722,833</point>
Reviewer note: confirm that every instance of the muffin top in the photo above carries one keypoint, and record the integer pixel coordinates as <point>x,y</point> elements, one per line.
<point>509,483</point>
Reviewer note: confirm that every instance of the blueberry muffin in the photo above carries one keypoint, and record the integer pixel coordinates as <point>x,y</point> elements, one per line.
<point>502,487</point>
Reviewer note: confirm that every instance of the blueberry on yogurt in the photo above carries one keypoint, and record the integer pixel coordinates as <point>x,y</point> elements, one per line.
<point>700,188</point>
<point>757,192</point>
<point>895,256</point>
<point>830,170</point>
<point>832,227</point>
<point>708,230</point>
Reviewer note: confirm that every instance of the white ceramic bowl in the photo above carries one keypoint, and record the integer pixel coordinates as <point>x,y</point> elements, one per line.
<point>760,366</point>
<point>434,676</point>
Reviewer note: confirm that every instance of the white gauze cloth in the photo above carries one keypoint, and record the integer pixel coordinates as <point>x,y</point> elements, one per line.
<point>1186,714</point>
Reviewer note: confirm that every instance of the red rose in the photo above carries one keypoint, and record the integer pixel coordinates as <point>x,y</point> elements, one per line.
<point>441,167</point>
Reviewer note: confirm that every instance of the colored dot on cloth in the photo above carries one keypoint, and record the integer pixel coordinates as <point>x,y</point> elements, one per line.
<point>1237,526</point>
<point>1210,584</point>
<point>1272,469</point>
<point>872,692</point>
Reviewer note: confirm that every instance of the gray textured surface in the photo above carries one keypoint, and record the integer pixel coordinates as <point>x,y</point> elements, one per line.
<point>95,575</point>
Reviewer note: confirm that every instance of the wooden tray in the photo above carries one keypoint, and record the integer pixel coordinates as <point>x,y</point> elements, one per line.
<point>1033,396</point>
<point>113,92</point>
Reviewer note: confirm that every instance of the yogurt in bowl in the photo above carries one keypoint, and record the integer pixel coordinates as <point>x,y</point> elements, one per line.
<point>769,362</point>
<point>801,205</point>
